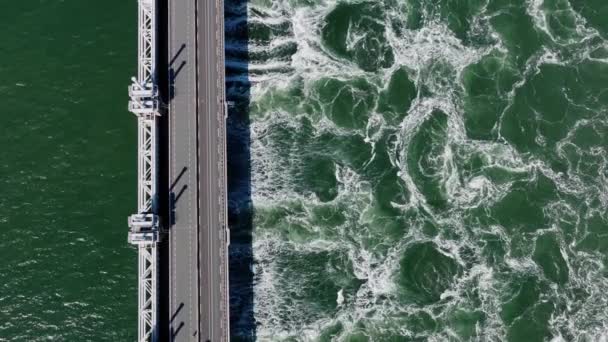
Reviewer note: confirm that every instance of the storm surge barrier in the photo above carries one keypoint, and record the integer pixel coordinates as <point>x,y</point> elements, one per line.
<point>144,225</point>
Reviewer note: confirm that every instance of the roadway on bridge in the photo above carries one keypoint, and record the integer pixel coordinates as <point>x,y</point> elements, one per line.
<point>183,164</point>
<point>197,237</point>
<point>213,235</point>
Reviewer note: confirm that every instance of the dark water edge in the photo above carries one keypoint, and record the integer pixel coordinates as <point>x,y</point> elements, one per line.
<point>240,207</point>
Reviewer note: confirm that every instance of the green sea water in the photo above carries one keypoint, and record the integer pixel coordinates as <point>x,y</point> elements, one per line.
<point>67,171</point>
<point>426,170</point>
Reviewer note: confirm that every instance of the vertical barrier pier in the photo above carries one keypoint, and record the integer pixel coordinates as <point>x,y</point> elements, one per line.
<point>144,225</point>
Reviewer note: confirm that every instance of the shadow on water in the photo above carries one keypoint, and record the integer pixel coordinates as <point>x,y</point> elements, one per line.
<point>242,322</point>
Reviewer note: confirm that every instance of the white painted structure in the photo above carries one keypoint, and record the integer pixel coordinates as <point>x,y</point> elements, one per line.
<point>144,226</point>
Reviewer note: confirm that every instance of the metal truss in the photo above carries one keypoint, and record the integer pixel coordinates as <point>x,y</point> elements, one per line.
<point>144,225</point>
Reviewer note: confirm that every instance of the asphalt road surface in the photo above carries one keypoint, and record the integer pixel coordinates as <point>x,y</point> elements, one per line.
<point>197,173</point>
<point>213,227</point>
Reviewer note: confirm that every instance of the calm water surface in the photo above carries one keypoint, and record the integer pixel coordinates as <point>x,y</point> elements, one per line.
<point>67,171</point>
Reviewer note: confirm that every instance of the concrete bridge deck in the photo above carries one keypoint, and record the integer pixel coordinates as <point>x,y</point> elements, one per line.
<point>198,235</point>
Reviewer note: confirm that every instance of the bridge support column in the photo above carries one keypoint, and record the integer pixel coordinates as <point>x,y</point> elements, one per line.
<point>144,225</point>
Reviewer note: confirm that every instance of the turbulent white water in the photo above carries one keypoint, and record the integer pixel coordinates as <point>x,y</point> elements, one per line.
<point>419,222</point>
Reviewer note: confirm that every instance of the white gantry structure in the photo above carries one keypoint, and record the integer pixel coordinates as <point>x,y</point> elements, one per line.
<point>144,225</point>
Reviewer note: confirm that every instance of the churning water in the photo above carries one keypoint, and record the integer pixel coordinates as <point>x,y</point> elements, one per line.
<point>422,170</point>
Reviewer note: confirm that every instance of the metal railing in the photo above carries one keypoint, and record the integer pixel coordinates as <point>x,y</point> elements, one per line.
<point>144,225</point>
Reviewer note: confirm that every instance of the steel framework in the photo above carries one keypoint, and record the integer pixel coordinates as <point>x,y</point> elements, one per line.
<point>144,225</point>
